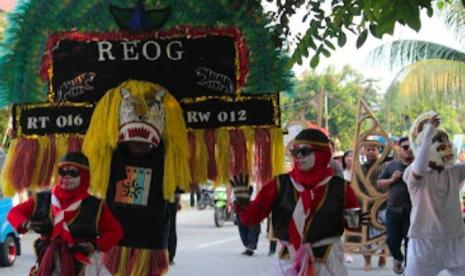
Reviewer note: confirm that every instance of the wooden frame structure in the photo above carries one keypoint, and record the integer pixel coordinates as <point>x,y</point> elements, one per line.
<point>372,201</point>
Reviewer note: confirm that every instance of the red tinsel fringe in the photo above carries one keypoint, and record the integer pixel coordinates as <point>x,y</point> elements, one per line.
<point>51,160</point>
<point>23,163</point>
<point>210,141</point>
<point>263,165</point>
<point>111,259</point>
<point>158,263</point>
<point>74,143</point>
<point>133,256</point>
<point>238,143</point>
<point>192,159</point>
<point>43,171</point>
<point>243,52</point>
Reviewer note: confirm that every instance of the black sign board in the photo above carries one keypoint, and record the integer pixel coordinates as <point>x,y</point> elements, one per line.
<point>85,66</point>
<point>44,119</point>
<point>217,112</point>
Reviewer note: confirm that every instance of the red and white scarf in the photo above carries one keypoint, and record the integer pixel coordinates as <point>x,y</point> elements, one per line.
<point>300,214</point>
<point>302,254</point>
<point>60,226</point>
<point>65,206</point>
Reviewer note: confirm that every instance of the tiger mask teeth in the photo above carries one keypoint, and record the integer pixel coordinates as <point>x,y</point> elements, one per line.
<point>139,131</point>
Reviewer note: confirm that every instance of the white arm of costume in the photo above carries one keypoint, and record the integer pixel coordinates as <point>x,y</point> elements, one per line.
<point>420,164</point>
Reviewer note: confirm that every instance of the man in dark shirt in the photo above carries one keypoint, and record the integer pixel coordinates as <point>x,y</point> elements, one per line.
<point>398,204</point>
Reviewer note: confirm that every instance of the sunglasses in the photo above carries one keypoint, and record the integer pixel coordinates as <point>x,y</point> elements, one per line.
<point>70,172</point>
<point>305,151</point>
<point>405,147</point>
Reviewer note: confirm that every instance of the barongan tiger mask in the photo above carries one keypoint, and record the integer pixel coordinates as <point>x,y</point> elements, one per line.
<point>141,117</point>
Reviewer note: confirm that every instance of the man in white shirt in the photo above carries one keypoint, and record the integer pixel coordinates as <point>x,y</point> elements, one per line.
<point>437,233</point>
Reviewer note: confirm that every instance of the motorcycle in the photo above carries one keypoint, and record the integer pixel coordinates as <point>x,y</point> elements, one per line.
<point>206,198</point>
<point>224,210</point>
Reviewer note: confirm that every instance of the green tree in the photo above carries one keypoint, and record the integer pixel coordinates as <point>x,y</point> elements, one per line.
<point>329,23</point>
<point>432,77</point>
<point>3,111</point>
<point>342,89</point>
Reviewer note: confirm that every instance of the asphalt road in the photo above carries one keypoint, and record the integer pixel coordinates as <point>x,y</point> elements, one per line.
<point>204,249</point>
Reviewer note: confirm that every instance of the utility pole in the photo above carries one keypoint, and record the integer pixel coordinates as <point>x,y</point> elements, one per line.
<point>326,110</point>
<point>388,119</point>
<point>321,98</point>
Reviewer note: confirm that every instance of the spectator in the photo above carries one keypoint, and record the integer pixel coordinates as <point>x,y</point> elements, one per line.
<point>249,236</point>
<point>398,203</point>
<point>463,208</point>
<point>335,165</point>
<point>173,208</point>
<point>337,156</point>
<point>347,159</point>
<point>196,192</point>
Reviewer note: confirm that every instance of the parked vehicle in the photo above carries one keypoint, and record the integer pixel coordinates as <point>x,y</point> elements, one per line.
<point>224,210</point>
<point>10,245</point>
<point>206,197</point>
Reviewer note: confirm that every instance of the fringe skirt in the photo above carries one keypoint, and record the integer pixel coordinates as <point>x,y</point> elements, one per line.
<point>128,261</point>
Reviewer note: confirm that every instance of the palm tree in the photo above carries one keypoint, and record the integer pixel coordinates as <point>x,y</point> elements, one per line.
<point>427,69</point>
<point>431,75</point>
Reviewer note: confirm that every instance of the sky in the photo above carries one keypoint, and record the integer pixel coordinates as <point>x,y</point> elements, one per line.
<point>432,30</point>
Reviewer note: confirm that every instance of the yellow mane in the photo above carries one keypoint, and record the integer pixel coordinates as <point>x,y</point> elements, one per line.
<point>102,138</point>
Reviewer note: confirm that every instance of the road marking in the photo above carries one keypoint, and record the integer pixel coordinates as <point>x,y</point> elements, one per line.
<point>216,242</point>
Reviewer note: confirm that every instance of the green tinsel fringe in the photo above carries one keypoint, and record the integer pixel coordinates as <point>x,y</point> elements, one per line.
<point>33,20</point>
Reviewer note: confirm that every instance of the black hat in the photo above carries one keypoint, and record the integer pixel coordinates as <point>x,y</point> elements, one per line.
<point>75,158</point>
<point>312,135</point>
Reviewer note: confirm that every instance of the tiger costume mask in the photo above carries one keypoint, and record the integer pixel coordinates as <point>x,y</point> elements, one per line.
<point>141,116</point>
